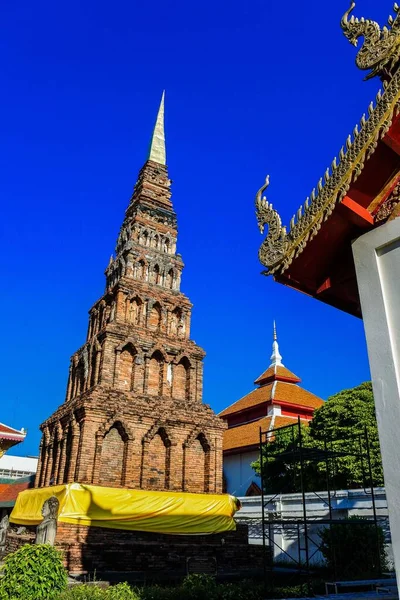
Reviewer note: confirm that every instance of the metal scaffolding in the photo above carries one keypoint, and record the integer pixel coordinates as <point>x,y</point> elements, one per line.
<point>297,457</point>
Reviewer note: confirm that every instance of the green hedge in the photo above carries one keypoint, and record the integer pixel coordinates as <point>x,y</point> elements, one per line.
<point>34,571</point>
<point>37,573</point>
<point>194,587</point>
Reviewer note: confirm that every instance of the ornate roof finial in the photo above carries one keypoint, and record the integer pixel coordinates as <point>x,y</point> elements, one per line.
<point>157,145</point>
<point>276,358</point>
<point>380,51</point>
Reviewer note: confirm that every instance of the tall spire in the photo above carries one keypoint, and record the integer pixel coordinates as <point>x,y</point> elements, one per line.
<point>157,145</point>
<point>276,358</point>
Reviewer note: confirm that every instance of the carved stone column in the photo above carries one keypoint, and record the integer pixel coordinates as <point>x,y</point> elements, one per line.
<point>128,478</point>
<point>62,460</point>
<point>73,455</point>
<point>49,465</point>
<point>57,458</point>
<point>116,365</point>
<point>146,373</point>
<point>191,395</point>
<point>40,464</point>
<point>97,459</point>
<point>78,473</point>
<point>69,385</point>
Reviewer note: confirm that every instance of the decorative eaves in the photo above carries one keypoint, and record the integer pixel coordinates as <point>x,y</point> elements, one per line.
<point>282,246</point>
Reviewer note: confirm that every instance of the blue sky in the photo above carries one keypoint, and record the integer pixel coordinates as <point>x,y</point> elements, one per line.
<point>251,88</point>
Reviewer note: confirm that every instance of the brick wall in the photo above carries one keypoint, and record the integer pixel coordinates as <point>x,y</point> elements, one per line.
<point>89,549</point>
<point>112,459</point>
<point>15,541</point>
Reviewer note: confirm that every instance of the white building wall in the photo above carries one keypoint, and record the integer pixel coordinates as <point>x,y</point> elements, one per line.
<point>238,473</point>
<point>377,261</point>
<point>289,507</point>
<point>17,466</point>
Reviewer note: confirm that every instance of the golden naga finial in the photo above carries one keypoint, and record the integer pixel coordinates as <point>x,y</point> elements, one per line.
<point>380,51</point>
<point>273,248</point>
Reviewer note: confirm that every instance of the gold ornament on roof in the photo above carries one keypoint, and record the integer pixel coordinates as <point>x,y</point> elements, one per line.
<point>380,51</point>
<point>274,247</point>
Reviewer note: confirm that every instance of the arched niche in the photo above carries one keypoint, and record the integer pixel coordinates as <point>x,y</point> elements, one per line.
<point>181,380</point>
<point>155,374</point>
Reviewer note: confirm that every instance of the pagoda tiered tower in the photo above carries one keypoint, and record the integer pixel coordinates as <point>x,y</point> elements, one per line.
<point>133,414</point>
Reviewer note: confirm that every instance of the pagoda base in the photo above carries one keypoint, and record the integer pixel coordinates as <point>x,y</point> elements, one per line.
<point>118,555</point>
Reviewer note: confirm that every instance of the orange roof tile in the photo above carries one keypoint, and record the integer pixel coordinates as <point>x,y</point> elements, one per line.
<point>249,434</point>
<point>276,372</point>
<point>258,396</point>
<point>276,392</point>
<point>10,491</point>
<point>294,394</point>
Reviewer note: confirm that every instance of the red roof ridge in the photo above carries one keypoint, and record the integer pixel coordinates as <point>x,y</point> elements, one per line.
<point>6,429</point>
<point>277,372</point>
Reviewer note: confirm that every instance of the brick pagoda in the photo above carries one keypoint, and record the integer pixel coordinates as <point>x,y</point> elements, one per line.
<point>133,414</point>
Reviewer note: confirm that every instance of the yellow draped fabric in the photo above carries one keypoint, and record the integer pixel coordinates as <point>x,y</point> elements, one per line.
<point>134,510</point>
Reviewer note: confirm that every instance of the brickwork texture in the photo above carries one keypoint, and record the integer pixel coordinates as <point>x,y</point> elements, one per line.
<point>133,414</point>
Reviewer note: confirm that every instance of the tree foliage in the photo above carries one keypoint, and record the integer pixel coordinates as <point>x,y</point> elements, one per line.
<point>33,571</point>
<point>355,550</point>
<point>339,425</point>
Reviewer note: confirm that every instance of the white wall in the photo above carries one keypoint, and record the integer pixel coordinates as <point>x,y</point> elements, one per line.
<point>377,261</point>
<point>238,473</point>
<point>17,466</point>
<point>289,507</point>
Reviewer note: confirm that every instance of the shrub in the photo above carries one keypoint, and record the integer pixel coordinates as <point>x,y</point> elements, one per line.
<point>354,550</point>
<point>83,592</point>
<point>122,591</point>
<point>33,571</point>
<point>200,587</point>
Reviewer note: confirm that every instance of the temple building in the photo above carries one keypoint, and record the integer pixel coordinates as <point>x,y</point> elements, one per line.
<point>343,244</point>
<point>14,474</point>
<point>133,414</point>
<point>277,401</point>
<point>9,437</point>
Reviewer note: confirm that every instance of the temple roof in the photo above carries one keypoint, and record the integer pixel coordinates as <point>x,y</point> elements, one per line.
<point>359,191</point>
<point>10,488</point>
<point>277,373</point>
<point>277,385</point>
<point>9,433</point>
<point>248,435</point>
<point>277,392</point>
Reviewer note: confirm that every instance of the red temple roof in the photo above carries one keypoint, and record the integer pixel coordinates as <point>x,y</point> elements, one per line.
<point>10,489</point>
<point>248,435</point>
<point>9,433</point>
<point>357,193</point>
<point>278,401</point>
<point>277,373</point>
<point>275,393</point>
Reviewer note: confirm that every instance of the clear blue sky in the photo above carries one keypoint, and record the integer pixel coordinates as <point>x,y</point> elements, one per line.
<point>251,88</point>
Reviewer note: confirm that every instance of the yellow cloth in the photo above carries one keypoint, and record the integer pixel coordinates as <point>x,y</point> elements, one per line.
<point>134,510</point>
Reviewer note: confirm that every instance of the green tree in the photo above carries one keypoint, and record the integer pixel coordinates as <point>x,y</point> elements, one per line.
<point>281,461</point>
<point>342,421</point>
<point>355,550</point>
<point>345,417</point>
